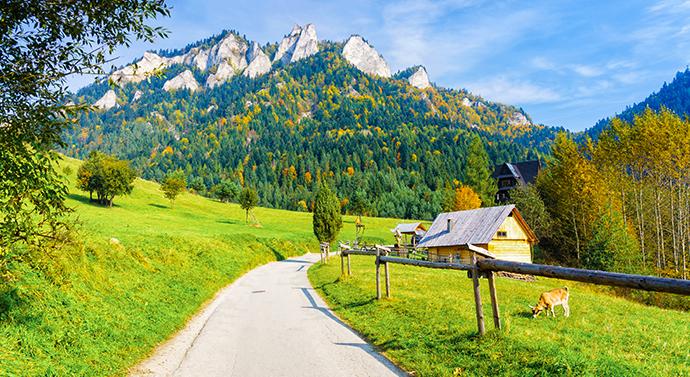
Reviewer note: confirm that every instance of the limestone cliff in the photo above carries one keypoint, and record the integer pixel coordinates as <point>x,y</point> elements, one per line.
<point>363,56</point>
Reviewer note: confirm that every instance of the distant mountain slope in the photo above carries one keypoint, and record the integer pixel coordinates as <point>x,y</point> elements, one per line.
<point>674,96</point>
<point>282,116</point>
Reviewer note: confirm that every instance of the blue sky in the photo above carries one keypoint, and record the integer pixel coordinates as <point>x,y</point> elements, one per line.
<point>567,63</point>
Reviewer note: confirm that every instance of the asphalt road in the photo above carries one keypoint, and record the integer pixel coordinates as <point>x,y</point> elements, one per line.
<point>270,322</point>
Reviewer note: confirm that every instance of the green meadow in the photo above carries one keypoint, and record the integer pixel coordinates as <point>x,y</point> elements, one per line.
<point>96,308</point>
<point>429,327</point>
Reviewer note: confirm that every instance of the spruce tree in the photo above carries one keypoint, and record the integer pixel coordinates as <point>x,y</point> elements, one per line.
<point>327,220</point>
<point>478,173</point>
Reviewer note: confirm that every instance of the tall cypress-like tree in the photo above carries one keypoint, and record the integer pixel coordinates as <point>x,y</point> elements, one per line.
<point>478,173</point>
<point>327,220</point>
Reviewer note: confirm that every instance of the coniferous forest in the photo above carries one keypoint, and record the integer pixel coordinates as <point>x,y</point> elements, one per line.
<point>319,119</point>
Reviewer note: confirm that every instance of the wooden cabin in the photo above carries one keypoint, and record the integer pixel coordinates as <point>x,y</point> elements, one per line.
<point>412,233</point>
<point>513,174</point>
<point>500,230</point>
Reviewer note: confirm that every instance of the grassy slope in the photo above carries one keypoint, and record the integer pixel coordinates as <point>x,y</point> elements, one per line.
<point>95,309</point>
<point>428,326</point>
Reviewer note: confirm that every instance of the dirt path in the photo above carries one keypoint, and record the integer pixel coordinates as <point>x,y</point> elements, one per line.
<point>270,322</point>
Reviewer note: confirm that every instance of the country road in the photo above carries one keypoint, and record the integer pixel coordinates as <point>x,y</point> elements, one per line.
<point>270,322</point>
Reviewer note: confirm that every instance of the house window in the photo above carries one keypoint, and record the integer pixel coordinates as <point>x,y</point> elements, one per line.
<point>502,234</point>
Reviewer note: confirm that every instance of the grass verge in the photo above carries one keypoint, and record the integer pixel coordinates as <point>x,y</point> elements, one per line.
<point>429,326</point>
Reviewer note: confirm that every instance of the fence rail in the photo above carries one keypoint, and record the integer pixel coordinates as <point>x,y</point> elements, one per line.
<point>647,283</point>
<point>485,266</point>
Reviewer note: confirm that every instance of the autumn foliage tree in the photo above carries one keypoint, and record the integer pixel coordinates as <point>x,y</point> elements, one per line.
<point>465,198</point>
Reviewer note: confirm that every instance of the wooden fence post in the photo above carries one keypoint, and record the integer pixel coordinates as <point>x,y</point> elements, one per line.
<point>342,263</point>
<point>348,265</point>
<point>494,300</point>
<point>477,296</point>
<point>378,275</point>
<point>388,280</point>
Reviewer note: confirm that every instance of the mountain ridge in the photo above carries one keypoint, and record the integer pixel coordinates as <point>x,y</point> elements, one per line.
<point>318,118</point>
<point>674,96</point>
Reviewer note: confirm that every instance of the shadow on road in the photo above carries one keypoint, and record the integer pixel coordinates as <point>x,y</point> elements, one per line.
<point>363,346</point>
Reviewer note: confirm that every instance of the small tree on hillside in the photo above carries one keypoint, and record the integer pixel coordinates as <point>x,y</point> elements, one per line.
<point>173,185</point>
<point>478,173</point>
<point>106,176</point>
<point>327,221</point>
<point>248,200</point>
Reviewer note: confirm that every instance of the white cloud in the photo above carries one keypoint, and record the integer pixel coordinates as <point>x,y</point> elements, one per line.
<point>430,33</point>
<point>586,70</point>
<point>502,89</point>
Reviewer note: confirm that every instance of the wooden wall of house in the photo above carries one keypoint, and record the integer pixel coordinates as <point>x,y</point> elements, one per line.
<point>514,246</point>
<point>455,251</point>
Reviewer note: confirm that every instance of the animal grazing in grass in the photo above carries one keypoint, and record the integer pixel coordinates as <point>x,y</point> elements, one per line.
<point>548,300</point>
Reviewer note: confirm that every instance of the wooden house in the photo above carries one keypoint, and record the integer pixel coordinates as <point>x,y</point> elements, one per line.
<point>510,175</point>
<point>411,233</point>
<point>500,230</point>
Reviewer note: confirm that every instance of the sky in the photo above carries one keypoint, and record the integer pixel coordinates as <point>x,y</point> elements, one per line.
<point>566,63</point>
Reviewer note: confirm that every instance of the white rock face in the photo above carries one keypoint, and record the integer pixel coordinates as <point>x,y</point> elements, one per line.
<point>518,119</point>
<point>137,95</point>
<point>360,54</point>
<point>223,73</point>
<point>299,44</point>
<point>184,80</point>
<point>259,63</point>
<point>307,44</point>
<point>108,101</point>
<point>419,79</point>
<point>140,70</point>
<point>232,49</point>
<point>466,102</point>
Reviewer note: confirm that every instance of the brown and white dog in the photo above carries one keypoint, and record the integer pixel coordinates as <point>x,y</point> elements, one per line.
<point>548,300</point>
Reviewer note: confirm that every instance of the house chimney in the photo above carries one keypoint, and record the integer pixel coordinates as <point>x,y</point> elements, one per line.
<point>450,225</point>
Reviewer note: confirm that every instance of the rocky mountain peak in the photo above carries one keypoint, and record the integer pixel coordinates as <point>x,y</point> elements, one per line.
<point>232,49</point>
<point>419,78</point>
<point>108,101</point>
<point>140,70</point>
<point>259,63</point>
<point>302,42</point>
<point>184,80</point>
<point>363,56</point>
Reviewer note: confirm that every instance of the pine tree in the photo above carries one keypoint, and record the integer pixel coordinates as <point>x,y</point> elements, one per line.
<point>478,173</point>
<point>327,221</point>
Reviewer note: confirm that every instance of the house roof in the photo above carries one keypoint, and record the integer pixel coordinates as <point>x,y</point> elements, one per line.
<point>475,226</point>
<point>409,228</point>
<point>524,171</point>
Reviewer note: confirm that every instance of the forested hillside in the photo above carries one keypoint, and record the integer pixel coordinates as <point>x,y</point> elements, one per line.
<point>674,96</point>
<point>319,118</point>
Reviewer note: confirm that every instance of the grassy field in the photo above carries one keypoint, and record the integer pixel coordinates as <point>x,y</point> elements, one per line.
<point>93,308</point>
<point>428,326</point>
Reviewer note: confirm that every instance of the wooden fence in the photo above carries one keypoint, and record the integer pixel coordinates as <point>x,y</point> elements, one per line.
<point>483,265</point>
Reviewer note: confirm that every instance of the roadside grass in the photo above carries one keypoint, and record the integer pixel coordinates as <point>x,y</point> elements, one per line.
<point>93,308</point>
<point>428,326</point>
